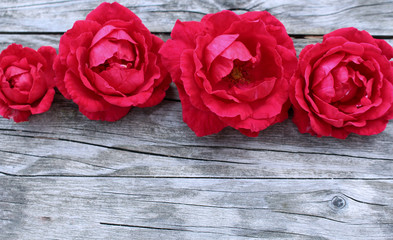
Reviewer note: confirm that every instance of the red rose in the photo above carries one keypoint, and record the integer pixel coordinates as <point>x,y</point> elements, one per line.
<point>343,85</point>
<point>27,81</point>
<point>109,63</point>
<point>231,70</point>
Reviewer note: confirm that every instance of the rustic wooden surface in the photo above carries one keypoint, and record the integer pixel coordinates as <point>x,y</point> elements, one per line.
<point>147,176</point>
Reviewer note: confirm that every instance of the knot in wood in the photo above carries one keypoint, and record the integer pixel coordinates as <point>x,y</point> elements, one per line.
<point>338,202</point>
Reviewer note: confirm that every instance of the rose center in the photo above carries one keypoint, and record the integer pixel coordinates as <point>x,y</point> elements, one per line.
<point>11,82</point>
<point>23,82</point>
<point>239,73</point>
<point>236,73</point>
<point>114,62</point>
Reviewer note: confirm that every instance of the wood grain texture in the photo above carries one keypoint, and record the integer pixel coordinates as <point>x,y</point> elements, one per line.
<point>124,208</point>
<point>299,17</point>
<point>156,142</point>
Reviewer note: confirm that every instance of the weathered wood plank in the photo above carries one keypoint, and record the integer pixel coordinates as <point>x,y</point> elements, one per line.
<point>155,142</point>
<point>118,208</point>
<point>299,17</point>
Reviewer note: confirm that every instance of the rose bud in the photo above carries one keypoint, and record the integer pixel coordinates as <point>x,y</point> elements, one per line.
<point>231,70</point>
<point>343,85</point>
<point>109,63</point>
<point>27,81</point>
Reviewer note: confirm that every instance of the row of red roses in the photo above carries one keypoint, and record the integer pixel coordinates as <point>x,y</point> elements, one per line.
<point>230,70</point>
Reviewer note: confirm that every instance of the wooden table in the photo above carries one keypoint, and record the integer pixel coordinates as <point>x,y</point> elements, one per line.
<point>148,176</point>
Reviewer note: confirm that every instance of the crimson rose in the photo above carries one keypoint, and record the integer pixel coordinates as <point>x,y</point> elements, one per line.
<point>109,63</point>
<point>231,70</point>
<point>27,81</point>
<point>343,85</point>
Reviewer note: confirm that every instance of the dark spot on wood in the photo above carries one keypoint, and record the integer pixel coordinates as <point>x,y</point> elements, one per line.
<point>338,202</point>
<point>46,219</point>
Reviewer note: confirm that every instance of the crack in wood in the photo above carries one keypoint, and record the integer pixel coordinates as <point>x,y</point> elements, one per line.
<point>178,11</point>
<point>359,201</point>
<point>129,150</point>
<point>184,228</point>
<point>193,146</point>
<point>33,5</point>
<point>10,202</point>
<point>286,151</point>
<point>310,215</point>
<point>64,159</point>
<point>347,9</point>
<point>188,177</point>
<point>162,228</point>
<point>202,205</point>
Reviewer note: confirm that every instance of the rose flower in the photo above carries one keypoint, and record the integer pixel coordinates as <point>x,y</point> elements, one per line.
<point>26,81</point>
<point>343,85</point>
<point>231,70</point>
<point>109,63</point>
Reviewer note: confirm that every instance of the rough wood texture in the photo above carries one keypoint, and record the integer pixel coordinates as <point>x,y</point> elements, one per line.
<point>155,142</point>
<point>299,17</point>
<point>147,176</point>
<point>146,208</point>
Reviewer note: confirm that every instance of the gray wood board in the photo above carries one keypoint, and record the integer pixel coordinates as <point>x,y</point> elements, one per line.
<point>299,17</point>
<point>155,142</point>
<point>124,208</point>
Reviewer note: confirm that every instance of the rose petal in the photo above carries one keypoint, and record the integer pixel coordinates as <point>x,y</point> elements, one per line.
<point>123,80</point>
<point>320,127</point>
<point>133,100</point>
<point>101,84</point>
<point>237,50</point>
<point>273,26</point>
<point>45,103</point>
<point>82,96</point>
<point>41,106</point>
<point>108,11</point>
<point>201,122</point>
<point>217,23</point>
<point>60,70</point>
<point>372,127</point>
<point>351,34</point>
<point>217,47</point>
<point>302,121</point>
<point>386,48</point>
<point>158,94</point>
<point>112,114</point>
<point>187,65</point>
<point>226,108</point>
<point>324,67</point>
<point>17,116</point>
<point>107,49</point>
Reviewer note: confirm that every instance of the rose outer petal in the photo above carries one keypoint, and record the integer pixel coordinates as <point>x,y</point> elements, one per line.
<point>16,115</point>
<point>112,114</point>
<point>201,122</point>
<point>109,11</point>
<point>82,96</point>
